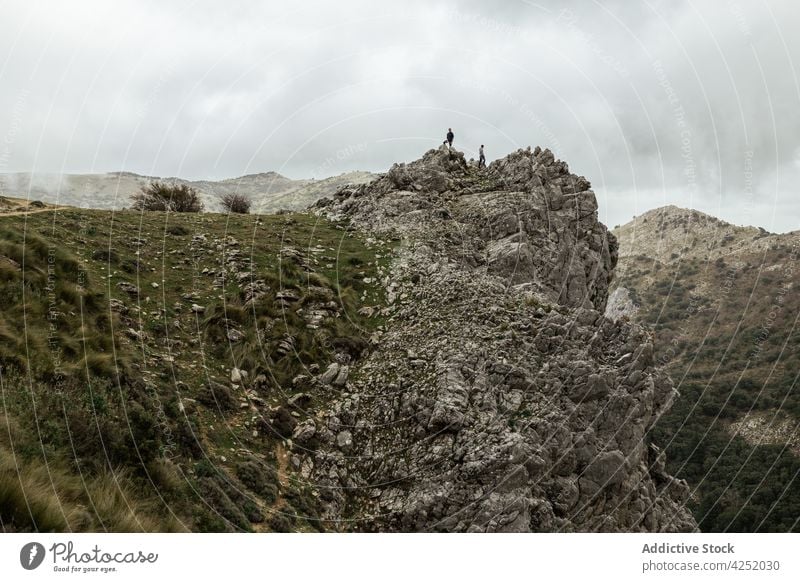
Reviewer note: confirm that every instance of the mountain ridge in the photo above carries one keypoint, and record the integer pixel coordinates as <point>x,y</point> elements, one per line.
<point>719,300</point>
<point>670,233</point>
<point>268,191</point>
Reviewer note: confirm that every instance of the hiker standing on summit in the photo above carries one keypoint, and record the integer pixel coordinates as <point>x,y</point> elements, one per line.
<point>450,137</point>
<point>481,158</point>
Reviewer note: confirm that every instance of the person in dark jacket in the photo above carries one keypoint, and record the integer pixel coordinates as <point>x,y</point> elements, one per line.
<point>450,136</point>
<point>481,158</point>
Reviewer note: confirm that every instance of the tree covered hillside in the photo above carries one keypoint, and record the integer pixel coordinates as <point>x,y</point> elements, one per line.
<point>722,303</point>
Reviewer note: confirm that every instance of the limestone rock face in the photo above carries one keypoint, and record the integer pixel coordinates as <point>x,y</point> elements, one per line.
<point>525,219</point>
<point>498,397</point>
<point>620,304</point>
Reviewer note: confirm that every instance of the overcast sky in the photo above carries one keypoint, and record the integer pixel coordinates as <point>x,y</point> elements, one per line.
<point>692,103</point>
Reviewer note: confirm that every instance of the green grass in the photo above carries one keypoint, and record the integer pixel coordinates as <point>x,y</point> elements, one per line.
<point>113,387</point>
<point>49,497</point>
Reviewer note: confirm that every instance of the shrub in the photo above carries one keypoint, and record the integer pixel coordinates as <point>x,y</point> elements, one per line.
<point>281,522</point>
<point>177,230</point>
<point>259,478</point>
<point>217,396</point>
<point>167,197</point>
<point>238,203</point>
<point>214,494</point>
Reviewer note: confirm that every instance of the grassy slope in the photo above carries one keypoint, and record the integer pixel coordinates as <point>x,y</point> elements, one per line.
<point>727,331</point>
<point>118,408</point>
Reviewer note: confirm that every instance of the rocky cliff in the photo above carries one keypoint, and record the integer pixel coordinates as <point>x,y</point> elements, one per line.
<point>498,397</point>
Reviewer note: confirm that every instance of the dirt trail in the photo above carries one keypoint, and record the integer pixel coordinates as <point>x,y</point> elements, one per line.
<point>34,211</point>
<point>10,206</point>
<point>282,456</point>
<point>20,206</point>
<point>282,464</point>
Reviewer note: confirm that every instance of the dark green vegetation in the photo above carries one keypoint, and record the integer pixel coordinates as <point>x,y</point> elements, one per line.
<point>118,336</point>
<point>161,196</point>
<point>726,330</point>
<point>238,203</point>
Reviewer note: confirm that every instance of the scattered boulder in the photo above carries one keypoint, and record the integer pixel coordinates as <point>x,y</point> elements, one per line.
<point>304,431</point>
<point>344,440</point>
<point>341,376</point>
<point>128,288</point>
<point>330,374</point>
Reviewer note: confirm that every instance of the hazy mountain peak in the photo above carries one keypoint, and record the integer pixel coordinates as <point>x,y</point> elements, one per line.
<point>674,233</point>
<point>269,191</point>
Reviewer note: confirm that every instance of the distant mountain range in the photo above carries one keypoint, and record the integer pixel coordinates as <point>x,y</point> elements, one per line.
<point>269,191</point>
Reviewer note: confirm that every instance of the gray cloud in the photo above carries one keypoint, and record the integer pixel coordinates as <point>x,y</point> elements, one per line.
<point>693,102</point>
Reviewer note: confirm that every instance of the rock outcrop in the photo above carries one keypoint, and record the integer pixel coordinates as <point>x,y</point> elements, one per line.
<point>499,397</point>
<point>620,304</point>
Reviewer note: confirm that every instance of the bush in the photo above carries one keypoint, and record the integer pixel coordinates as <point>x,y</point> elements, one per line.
<point>167,197</point>
<point>259,478</point>
<point>177,230</point>
<point>217,396</point>
<point>238,203</point>
<point>281,522</point>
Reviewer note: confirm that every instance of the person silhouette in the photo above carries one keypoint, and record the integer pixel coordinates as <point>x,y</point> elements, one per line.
<point>481,158</point>
<point>450,137</point>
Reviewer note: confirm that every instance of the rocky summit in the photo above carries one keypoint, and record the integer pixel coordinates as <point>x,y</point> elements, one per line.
<point>497,397</point>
